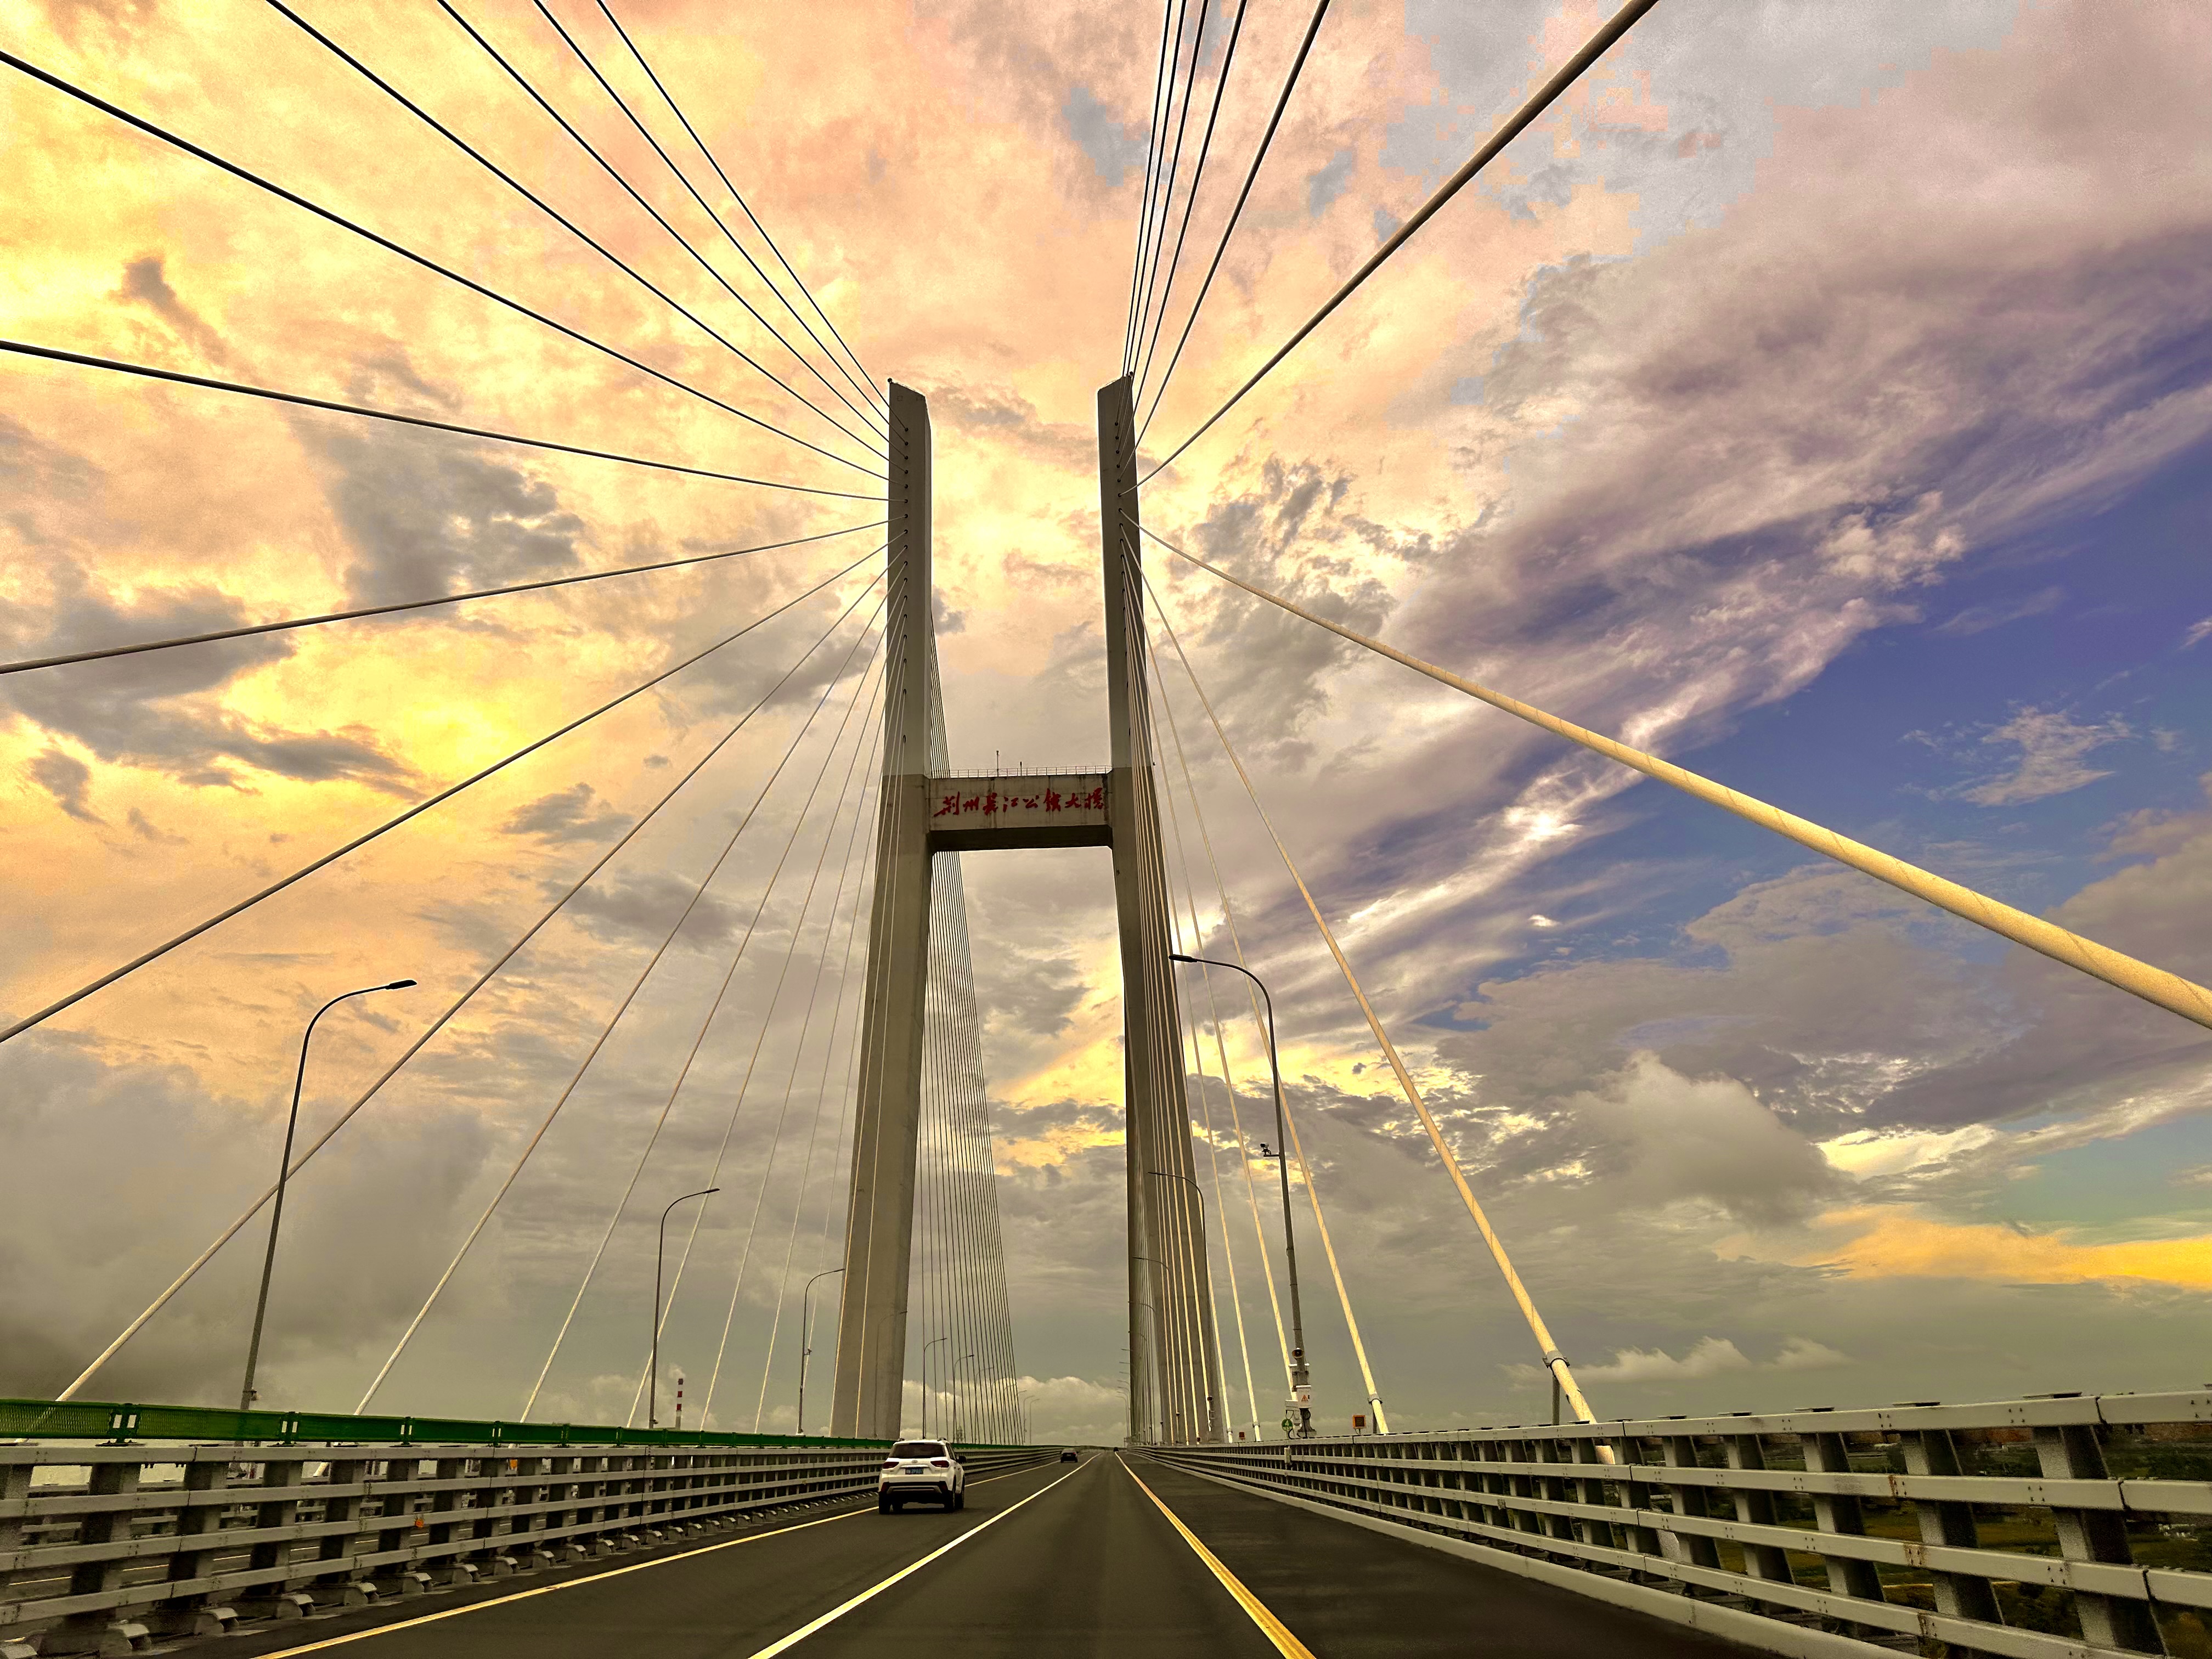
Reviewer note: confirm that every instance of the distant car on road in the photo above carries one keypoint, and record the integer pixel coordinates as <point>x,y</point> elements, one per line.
<point>1067,1456</point>
<point>921,1471</point>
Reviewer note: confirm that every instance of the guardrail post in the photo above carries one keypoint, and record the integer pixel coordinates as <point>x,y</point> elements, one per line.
<point>396,1509</point>
<point>282,1512</point>
<point>1830,1453</point>
<point>1745,1451</point>
<point>336,1547</point>
<point>1958,1595</point>
<point>92,1577</point>
<point>188,1615</point>
<point>1692,1549</point>
<point>446,1504</point>
<point>2077,1453</point>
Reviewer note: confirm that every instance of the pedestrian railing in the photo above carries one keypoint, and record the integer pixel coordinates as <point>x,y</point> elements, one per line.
<point>105,1547</point>
<point>2049,1528</point>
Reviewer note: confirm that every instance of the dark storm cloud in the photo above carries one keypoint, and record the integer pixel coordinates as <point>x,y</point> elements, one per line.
<point>574,814</point>
<point>65,778</point>
<point>158,710</point>
<point>427,517</point>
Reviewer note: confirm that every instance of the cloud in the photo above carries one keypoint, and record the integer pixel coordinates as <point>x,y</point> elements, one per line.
<point>2051,748</point>
<point>145,281</point>
<point>1980,619</point>
<point>1329,181</point>
<point>1889,1243</point>
<point>1662,1137</point>
<point>425,519</point>
<point>1113,148</point>
<point>1710,1356</point>
<point>66,779</point>
<point>574,814</point>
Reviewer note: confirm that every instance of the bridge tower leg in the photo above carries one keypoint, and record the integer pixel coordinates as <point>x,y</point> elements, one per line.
<point>1174,1362</point>
<point>871,1374</point>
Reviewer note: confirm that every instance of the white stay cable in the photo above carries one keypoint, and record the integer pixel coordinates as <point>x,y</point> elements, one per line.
<point>1206,1105</point>
<point>821,1101</point>
<point>1198,1064</point>
<point>1290,1120</point>
<point>532,1145</point>
<point>1555,1361</point>
<point>721,1150</point>
<point>847,1097</point>
<point>738,1283</point>
<point>676,928</point>
<point>438,1025</point>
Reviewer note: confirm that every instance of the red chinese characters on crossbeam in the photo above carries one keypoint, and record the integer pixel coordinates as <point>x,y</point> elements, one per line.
<point>991,802</point>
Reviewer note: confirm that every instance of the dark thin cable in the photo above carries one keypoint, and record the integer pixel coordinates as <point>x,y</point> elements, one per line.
<point>85,360</point>
<point>1190,200</point>
<point>415,605</point>
<point>1568,73</point>
<point>1152,148</point>
<point>1251,176</point>
<point>416,810</point>
<point>584,57</point>
<point>408,254</point>
<point>631,191</point>
<point>867,379</point>
<point>1175,169</point>
<point>517,185</point>
<point>1163,201</point>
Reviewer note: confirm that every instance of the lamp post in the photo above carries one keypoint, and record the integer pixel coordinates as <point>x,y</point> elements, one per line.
<point>1300,1378</point>
<point>660,1251</point>
<point>806,1326</point>
<point>283,1174</point>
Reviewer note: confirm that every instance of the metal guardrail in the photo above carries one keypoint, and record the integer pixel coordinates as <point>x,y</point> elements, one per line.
<point>2051,1527</point>
<point>106,1547</point>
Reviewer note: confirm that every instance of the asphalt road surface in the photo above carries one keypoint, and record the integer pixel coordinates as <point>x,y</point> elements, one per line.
<point>1061,1560</point>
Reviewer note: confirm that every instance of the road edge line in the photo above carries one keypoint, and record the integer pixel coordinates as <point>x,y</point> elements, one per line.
<point>1258,1611</point>
<point>597,1577</point>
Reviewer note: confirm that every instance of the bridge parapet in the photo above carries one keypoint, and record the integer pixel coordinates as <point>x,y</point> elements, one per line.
<point>106,1547</point>
<point>1816,1532</point>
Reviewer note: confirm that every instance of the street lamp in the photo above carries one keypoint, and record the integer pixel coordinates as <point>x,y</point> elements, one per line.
<point>806,1340</point>
<point>925,1347</point>
<point>1300,1378</point>
<point>283,1174</point>
<point>660,1252</point>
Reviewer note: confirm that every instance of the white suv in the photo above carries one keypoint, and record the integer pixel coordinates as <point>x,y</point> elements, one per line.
<point>921,1470</point>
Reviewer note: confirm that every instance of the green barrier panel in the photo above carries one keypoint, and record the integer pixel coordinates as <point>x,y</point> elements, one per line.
<point>107,1420</point>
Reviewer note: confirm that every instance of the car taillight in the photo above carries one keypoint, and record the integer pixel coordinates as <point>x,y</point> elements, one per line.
<point>890,1462</point>
<point>940,1463</point>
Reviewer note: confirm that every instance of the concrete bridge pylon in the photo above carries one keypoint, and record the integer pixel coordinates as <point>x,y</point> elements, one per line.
<point>927,815</point>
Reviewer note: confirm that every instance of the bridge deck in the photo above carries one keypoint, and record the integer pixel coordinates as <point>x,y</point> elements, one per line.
<point>1056,1560</point>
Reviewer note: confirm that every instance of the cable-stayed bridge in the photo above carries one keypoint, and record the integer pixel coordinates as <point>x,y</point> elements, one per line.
<point>1229,1522</point>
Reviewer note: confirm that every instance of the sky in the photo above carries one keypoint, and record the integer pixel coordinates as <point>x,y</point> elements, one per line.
<point>1821,397</point>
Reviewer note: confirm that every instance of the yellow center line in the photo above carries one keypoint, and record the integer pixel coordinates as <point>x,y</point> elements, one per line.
<point>1270,1626</point>
<point>611,1572</point>
<point>874,1591</point>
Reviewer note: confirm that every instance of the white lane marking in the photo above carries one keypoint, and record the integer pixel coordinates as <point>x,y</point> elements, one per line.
<point>597,1577</point>
<point>874,1591</point>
